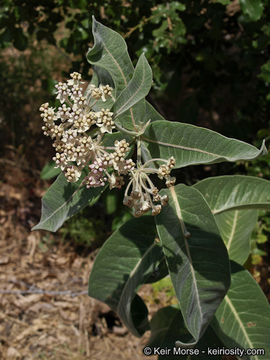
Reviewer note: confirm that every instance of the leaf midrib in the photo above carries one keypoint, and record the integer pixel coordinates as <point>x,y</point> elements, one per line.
<point>180,147</point>
<point>58,209</point>
<point>253,205</point>
<point>124,78</point>
<point>179,215</point>
<point>242,327</point>
<point>233,230</point>
<point>136,92</point>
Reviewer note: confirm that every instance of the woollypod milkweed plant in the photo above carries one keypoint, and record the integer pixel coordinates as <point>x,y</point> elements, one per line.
<point>108,135</point>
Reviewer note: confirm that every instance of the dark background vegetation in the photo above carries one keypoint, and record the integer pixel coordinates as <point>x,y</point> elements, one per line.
<point>211,68</point>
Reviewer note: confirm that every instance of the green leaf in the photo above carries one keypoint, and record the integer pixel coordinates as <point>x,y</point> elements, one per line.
<point>110,53</point>
<point>232,192</point>
<point>192,145</point>
<point>137,88</point>
<point>229,198</point>
<point>235,228</point>
<point>196,256</point>
<point>101,76</point>
<point>49,171</point>
<point>63,200</point>
<point>167,326</point>
<point>243,318</point>
<point>138,315</point>
<point>252,8</point>
<point>121,266</point>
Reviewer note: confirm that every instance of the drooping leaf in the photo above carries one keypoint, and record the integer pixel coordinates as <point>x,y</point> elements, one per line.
<point>121,266</point>
<point>191,145</point>
<point>252,8</point>
<point>167,326</point>
<point>235,228</point>
<point>232,192</point>
<point>196,256</point>
<point>243,318</point>
<point>63,200</point>
<point>137,88</point>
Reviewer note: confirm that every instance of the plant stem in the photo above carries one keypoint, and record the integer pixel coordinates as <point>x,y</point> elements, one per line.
<point>139,151</point>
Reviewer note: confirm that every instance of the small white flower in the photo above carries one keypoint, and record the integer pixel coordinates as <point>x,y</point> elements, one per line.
<point>105,121</point>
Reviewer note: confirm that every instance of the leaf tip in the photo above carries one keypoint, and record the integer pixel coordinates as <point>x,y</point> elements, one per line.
<point>40,227</point>
<point>34,228</point>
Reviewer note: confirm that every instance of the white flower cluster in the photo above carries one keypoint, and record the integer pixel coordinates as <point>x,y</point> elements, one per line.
<point>69,127</point>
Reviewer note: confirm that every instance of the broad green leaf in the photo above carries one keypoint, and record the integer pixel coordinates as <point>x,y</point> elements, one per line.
<point>121,266</point>
<point>167,326</point>
<point>136,90</point>
<point>63,200</point>
<point>49,171</point>
<point>110,53</point>
<point>196,256</point>
<point>235,228</point>
<point>243,318</point>
<point>232,192</point>
<point>234,200</point>
<point>191,145</point>
<point>252,8</point>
